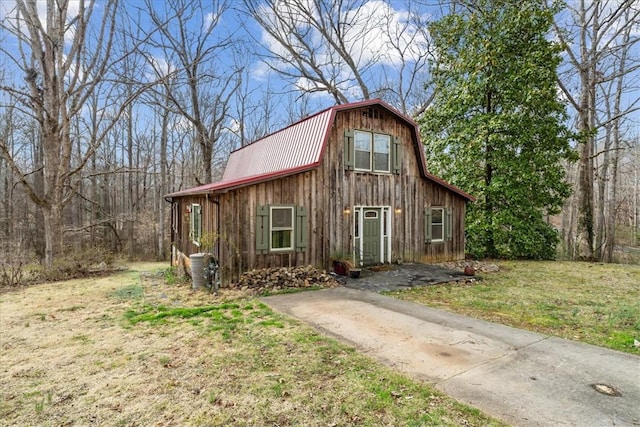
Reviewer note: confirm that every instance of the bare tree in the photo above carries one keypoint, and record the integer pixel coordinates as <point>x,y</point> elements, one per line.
<point>351,50</point>
<point>611,120</point>
<point>62,65</point>
<point>193,46</point>
<point>597,37</point>
<point>256,107</point>
<point>405,82</point>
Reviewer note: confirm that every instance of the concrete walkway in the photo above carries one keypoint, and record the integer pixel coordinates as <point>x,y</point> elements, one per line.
<point>523,378</point>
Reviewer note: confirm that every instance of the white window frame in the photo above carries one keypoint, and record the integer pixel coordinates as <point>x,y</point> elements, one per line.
<point>373,138</point>
<point>441,223</point>
<point>196,234</point>
<point>291,228</point>
<point>359,217</point>
<point>388,153</point>
<point>355,150</point>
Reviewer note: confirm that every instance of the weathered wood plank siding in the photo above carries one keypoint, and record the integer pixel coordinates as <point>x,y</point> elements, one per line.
<point>183,241</point>
<point>408,192</point>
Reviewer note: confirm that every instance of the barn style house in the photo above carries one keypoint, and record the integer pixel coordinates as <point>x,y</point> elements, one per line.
<point>351,179</point>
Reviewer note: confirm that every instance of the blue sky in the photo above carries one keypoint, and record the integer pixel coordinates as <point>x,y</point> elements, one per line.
<point>371,51</point>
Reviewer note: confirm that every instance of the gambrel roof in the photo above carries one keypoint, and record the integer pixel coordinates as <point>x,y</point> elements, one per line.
<point>297,148</point>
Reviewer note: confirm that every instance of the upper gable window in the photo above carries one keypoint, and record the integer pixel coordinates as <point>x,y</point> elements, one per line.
<point>372,151</point>
<point>381,144</point>
<point>363,150</point>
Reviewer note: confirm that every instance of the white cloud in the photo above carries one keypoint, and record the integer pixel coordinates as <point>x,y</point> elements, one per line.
<point>260,71</point>
<point>373,31</point>
<point>9,14</point>
<point>158,67</point>
<point>374,34</point>
<point>210,19</point>
<point>380,32</point>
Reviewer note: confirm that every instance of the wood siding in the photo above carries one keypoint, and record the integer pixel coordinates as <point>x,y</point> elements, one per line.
<point>326,191</point>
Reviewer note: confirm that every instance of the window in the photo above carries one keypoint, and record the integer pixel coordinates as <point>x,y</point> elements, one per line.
<point>372,157</point>
<point>372,152</point>
<point>356,225</point>
<point>437,224</point>
<point>195,224</point>
<point>381,145</point>
<point>371,214</point>
<point>281,229</point>
<point>385,221</point>
<point>363,150</point>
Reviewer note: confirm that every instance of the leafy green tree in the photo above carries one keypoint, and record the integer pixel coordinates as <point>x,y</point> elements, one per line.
<point>496,128</point>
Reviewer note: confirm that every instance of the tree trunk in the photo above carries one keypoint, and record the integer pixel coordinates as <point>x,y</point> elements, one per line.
<point>585,226</point>
<point>585,203</point>
<point>612,205</point>
<point>488,179</point>
<point>129,206</point>
<point>38,240</point>
<point>164,136</point>
<point>568,215</point>
<point>603,214</point>
<point>53,237</point>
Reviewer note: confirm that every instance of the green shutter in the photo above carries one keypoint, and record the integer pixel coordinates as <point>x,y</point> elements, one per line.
<point>447,224</point>
<point>262,229</point>
<point>348,149</point>
<point>427,225</point>
<point>396,153</point>
<point>301,229</point>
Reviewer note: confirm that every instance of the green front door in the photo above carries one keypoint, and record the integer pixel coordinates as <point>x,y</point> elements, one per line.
<point>371,236</point>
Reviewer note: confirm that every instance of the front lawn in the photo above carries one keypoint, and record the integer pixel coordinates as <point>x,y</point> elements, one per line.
<point>133,349</point>
<point>594,303</point>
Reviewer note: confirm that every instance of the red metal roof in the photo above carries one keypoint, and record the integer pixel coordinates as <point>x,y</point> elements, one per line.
<point>298,148</point>
<point>295,146</point>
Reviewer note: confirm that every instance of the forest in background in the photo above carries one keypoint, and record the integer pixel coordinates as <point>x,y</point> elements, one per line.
<point>107,106</point>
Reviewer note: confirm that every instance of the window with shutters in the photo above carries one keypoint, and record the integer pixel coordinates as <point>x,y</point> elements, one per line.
<point>195,223</point>
<point>281,229</point>
<point>371,152</point>
<point>437,224</point>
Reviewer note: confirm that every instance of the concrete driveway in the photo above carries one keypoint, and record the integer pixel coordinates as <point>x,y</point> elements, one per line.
<point>523,378</point>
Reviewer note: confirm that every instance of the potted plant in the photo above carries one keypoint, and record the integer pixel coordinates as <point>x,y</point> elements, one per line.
<point>354,272</point>
<point>342,263</point>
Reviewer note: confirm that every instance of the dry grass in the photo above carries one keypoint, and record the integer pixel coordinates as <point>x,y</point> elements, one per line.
<point>125,350</point>
<point>594,303</point>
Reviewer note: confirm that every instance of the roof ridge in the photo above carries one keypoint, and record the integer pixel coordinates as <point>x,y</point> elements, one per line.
<point>280,153</point>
